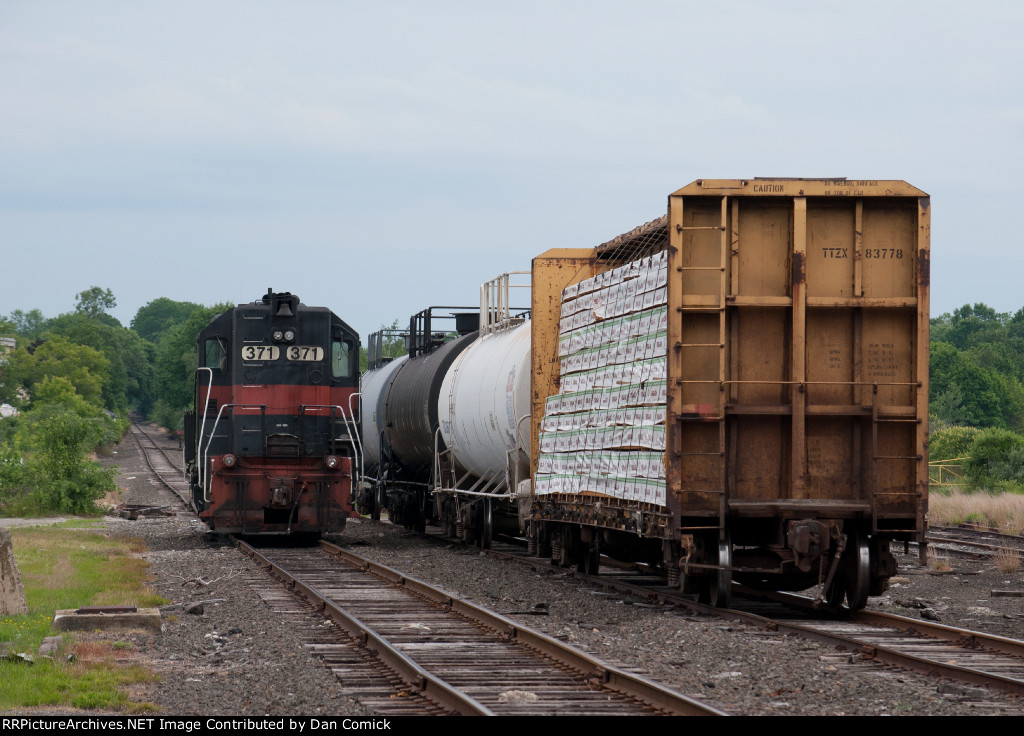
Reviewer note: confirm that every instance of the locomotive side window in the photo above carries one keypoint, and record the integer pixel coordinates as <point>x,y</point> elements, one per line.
<point>215,354</point>
<point>341,363</point>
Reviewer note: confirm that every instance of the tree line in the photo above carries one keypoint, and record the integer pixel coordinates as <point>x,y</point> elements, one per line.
<point>977,394</point>
<point>73,379</point>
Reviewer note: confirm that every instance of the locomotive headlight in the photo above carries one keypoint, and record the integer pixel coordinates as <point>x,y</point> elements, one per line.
<point>289,335</point>
<point>230,460</point>
<point>278,335</point>
<point>332,462</point>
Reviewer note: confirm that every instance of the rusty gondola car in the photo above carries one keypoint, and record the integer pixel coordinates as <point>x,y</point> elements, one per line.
<point>789,443</point>
<point>272,446</point>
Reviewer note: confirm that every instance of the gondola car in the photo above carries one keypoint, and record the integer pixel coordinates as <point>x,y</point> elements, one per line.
<point>272,445</point>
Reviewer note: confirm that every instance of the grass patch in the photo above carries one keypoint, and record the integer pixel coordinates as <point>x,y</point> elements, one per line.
<point>61,568</point>
<point>78,523</point>
<point>1003,511</point>
<point>87,684</point>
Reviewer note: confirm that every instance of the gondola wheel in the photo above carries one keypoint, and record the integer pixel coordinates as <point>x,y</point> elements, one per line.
<point>858,572</point>
<point>720,585</point>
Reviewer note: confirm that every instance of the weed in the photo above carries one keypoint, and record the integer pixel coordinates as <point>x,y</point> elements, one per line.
<point>938,564</point>
<point>1007,560</point>
<point>1003,510</point>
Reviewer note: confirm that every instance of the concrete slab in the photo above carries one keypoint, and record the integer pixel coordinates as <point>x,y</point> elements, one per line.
<point>144,618</point>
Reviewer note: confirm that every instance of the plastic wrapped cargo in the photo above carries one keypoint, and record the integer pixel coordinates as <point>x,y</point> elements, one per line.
<point>796,383</point>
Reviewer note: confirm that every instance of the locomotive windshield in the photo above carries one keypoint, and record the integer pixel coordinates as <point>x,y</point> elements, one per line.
<point>215,354</point>
<point>341,362</point>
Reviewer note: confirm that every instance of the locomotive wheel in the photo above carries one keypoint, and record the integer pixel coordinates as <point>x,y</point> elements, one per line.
<point>858,572</point>
<point>720,585</point>
<point>486,524</point>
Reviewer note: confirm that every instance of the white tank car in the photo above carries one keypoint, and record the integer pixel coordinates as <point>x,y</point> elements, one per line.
<point>484,398</point>
<point>372,386</point>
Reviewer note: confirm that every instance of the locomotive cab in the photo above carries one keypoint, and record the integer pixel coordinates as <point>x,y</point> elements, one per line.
<point>272,443</point>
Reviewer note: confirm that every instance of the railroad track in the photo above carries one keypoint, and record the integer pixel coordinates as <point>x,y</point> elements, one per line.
<point>440,654</point>
<point>958,654</point>
<point>166,470</point>
<point>969,542</point>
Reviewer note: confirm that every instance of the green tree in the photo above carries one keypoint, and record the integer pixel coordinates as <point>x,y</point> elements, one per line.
<point>94,301</point>
<point>177,358</point>
<point>61,477</point>
<point>29,324</point>
<point>393,346</point>
<point>160,315</point>
<point>987,398</point>
<point>130,379</point>
<point>86,368</point>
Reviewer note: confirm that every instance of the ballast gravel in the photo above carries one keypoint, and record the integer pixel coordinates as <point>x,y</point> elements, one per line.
<point>233,656</point>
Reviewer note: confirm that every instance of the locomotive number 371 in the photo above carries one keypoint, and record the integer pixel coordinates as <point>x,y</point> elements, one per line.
<point>293,352</point>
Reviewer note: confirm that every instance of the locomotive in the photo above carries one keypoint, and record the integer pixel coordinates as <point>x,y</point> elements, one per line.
<point>272,444</point>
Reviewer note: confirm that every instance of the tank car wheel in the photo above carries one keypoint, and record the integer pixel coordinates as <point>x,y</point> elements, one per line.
<point>377,503</point>
<point>419,513</point>
<point>858,575</point>
<point>486,524</point>
<point>720,585</point>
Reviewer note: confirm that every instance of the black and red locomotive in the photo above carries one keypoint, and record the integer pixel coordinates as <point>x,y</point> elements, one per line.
<point>272,446</point>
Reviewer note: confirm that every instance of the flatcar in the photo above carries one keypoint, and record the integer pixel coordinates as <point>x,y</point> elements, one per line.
<point>739,389</point>
<point>272,444</point>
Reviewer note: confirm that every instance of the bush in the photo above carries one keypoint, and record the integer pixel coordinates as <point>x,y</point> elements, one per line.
<point>951,443</point>
<point>996,457</point>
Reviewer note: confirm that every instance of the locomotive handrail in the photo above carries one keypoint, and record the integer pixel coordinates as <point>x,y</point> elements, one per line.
<point>202,427</point>
<point>351,409</point>
<point>353,437</point>
<point>204,456</point>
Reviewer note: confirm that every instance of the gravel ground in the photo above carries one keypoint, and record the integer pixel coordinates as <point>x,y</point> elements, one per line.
<point>738,669</point>
<point>237,658</point>
<point>961,592</point>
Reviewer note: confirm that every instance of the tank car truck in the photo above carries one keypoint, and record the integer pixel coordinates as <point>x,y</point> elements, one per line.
<point>272,445</point>
<point>739,389</point>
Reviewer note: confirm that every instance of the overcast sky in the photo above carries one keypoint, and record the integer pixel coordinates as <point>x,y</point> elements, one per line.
<point>377,158</point>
